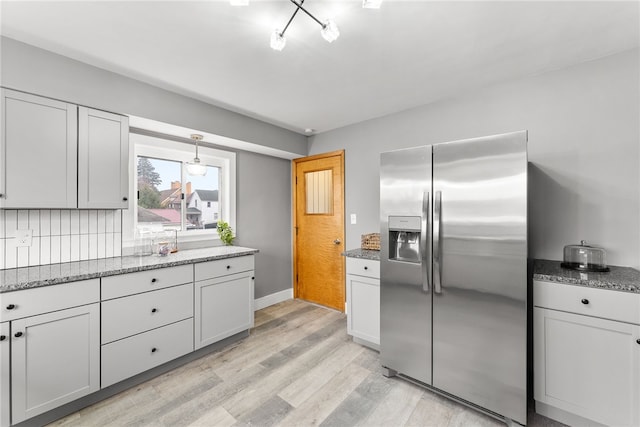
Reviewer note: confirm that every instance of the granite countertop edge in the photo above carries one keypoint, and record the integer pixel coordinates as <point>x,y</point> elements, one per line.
<point>625,279</point>
<point>55,274</point>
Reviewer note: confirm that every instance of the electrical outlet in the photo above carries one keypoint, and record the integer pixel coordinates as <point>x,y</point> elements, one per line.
<point>24,238</point>
<point>353,219</point>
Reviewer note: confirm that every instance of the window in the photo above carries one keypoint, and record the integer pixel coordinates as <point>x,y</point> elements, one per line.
<point>170,199</point>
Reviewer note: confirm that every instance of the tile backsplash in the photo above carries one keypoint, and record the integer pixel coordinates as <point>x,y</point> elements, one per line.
<point>59,235</point>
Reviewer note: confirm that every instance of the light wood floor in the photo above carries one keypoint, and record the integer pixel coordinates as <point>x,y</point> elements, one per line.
<point>297,368</point>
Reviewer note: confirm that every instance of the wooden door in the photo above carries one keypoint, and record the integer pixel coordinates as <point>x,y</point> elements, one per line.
<point>319,229</point>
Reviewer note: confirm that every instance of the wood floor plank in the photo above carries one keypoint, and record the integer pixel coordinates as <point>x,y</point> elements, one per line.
<point>396,408</point>
<point>217,417</point>
<point>313,411</point>
<point>432,411</point>
<point>270,413</point>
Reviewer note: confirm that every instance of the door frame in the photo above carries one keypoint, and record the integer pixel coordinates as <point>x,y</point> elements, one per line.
<point>294,208</point>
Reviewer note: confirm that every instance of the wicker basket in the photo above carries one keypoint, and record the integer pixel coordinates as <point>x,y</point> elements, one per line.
<point>370,241</point>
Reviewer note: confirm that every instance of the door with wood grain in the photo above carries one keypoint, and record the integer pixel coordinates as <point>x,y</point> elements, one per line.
<point>319,229</point>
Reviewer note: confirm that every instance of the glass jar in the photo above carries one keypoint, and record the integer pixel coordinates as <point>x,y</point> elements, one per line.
<point>584,257</point>
<point>142,243</point>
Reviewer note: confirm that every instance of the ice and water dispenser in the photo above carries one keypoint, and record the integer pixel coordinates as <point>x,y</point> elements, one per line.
<point>404,238</point>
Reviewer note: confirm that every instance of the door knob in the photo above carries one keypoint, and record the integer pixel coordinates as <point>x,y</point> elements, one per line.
<point>337,241</point>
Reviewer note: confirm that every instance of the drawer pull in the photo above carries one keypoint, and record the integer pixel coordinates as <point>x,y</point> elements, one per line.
<point>153,310</point>
<point>253,278</point>
<point>3,337</point>
<point>124,199</point>
<point>11,306</point>
<point>366,268</point>
<point>585,301</point>
<point>153,350</point>
<point>638,340</point>
<point>154,280</point>
<point>18,334</point>
<point>228,267</point>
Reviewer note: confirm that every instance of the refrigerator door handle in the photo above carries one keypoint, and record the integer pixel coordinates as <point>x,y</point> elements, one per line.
<point>437,242</point>
<point>424,248</point>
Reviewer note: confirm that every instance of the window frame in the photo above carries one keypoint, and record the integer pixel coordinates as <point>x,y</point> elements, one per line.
<point>167,149</point>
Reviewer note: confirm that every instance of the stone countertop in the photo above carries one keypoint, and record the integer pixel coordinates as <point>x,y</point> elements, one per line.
<point>619,278</point>
<point>32,277</point>
<point>362,253</point>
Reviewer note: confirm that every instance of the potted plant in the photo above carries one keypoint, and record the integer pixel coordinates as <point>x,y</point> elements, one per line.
<point>225,232</point>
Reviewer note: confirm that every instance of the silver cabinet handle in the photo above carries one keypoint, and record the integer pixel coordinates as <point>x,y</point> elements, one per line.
<point>426,255</point>
<point>337,241</point>
<point>437,243</point>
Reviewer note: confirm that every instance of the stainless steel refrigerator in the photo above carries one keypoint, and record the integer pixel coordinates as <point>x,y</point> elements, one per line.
<point>453,228</point>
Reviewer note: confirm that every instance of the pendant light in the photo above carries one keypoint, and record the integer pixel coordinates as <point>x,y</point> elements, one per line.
<point>195,168</point>
<point>329,30</point>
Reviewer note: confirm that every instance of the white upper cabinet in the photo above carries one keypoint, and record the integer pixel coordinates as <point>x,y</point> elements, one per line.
<point>58,155</point>
<point>38,152</point>
<point>103,150</point>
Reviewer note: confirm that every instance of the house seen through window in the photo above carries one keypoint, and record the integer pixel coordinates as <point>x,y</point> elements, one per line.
<point>170,199</point>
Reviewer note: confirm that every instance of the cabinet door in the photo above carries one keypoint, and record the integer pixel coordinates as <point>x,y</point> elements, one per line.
<point>38,152</point>
<point>363,308</point>
<point>224,306</point>
<point>4,374</point>
<point>55,358</point>
<point>587,366</point>
<point>103,153</point>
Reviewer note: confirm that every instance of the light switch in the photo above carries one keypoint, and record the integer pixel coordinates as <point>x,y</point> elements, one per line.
<point>353,219</point>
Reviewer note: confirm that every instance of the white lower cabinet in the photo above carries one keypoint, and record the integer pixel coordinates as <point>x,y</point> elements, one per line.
<point>586,368</point>
<point>130,356</point>
<point>5,374</point>
<point>223,304</point>
<point>55,358</point>
<point>363,301</point>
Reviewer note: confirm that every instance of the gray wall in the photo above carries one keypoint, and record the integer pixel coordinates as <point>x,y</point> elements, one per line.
<point>584,152</point>
<point>30,69</point>
<point>263,182</point>
<point>264,218</point>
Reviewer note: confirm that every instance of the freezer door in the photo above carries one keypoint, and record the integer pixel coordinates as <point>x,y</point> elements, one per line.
<point>480,272</point>
<point>405,293</point>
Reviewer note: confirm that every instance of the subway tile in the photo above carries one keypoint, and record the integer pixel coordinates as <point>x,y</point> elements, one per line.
<point>65,222</point>
<point>102,246</point>
<point>75,247</point>
<point>2,233</point>
<point>55,249</point>
<point>34,251</point>
<point>65,248</point>
<point>45,250</point>
<point>102,227</point>
<point>93,246</point>
<point>10,223</point>
<point>109,220</point>
<point>23,257</point>
<point>84,247</point>
<point>117,224</point>
<point>45,223</point>
<point>93,221</point>
<point>10,253</point>
<point>84,222</point>
<point>2,243</point>
<point>23,219</point>
<point>55,222</point>
<point>117,244</point>
<point>75,221</point>
<point>109,240</point>
<point>34,222</point>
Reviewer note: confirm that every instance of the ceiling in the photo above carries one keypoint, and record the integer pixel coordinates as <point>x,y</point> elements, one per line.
<point>406,54</point>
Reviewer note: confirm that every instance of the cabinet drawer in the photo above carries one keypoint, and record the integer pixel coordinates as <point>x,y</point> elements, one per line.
<point>123,317</point>
<point>31,302</point>
<point>128,357</point>
<point>363,267</point>
<point>143,281</point>
<point>223,267</point>
<point>607,304</point>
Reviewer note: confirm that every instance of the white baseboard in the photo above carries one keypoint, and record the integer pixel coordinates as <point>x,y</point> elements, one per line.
<point>266,301</point>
